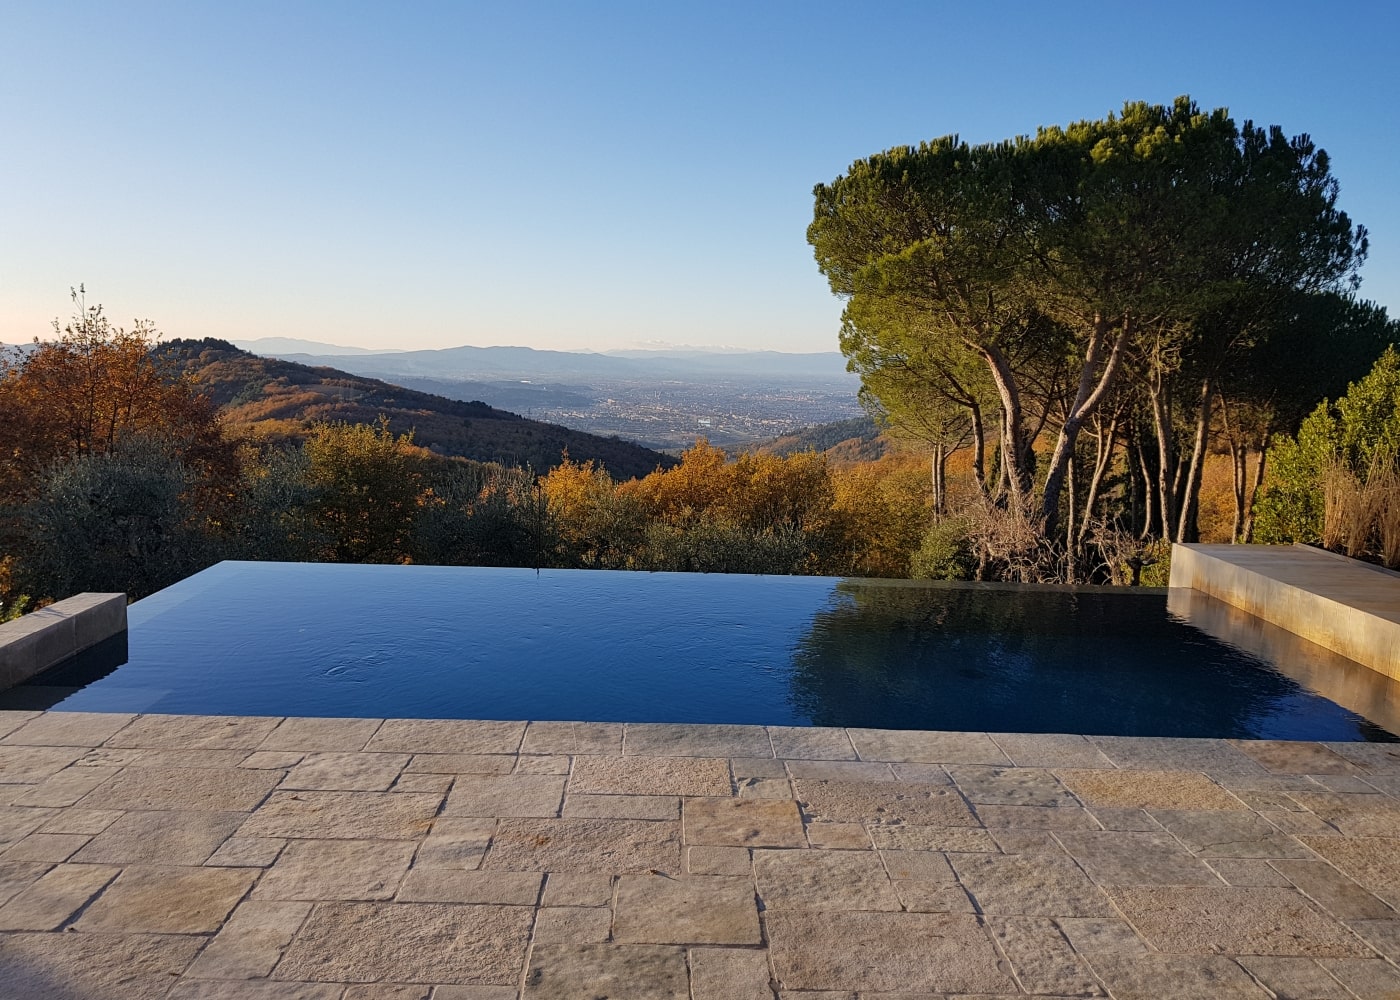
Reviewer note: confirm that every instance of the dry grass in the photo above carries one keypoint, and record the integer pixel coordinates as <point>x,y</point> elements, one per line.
<point>1362,517</point>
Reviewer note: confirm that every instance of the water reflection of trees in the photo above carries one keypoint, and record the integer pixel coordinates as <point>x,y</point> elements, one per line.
<point>965,657</point>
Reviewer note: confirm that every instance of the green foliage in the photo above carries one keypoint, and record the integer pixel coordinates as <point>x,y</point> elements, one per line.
<point>1351,433</point>
<point>945,553</point>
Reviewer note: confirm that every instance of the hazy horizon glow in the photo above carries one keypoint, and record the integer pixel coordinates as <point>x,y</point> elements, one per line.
<point>576,176</point>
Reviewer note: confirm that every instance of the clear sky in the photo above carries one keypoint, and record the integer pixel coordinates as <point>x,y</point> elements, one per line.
<point>578,175</point>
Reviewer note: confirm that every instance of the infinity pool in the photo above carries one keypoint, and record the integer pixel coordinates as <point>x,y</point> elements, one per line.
<point>448,642</point>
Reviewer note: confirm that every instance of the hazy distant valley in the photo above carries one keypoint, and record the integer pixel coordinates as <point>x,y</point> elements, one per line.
<point>662,399</point>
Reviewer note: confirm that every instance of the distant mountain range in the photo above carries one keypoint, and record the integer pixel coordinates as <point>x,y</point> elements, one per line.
<point>280,400</point>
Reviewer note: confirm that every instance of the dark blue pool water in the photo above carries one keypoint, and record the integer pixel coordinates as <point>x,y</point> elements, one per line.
<point>440,642</point>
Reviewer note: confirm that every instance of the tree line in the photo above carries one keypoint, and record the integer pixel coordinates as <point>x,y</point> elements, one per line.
<point>1091,312</point>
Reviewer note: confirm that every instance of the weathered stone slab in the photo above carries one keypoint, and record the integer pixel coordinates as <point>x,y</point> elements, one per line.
<point>967,840</point>
<point>1042,959</point>
<point>1146,789</point>
<point>247,852</point>
<point>1050,750</point>
<point>1365,977</point>
<point>1010,786</point>
<point>17,823</point>
<point>1244,871</point>
<point>662,909</point>
<point>11,720</point>
<point>729,974</point>
<point>1229,834</point>
<point>167,901</point>
<point>1373,862</point>
<point>1038,885</point>
<point>337,869</point>
<point>1176,754</point>
<point>743,823</point>
<point>446,736</point>
<point>1113,858</point>
<point>506,795</point>
<point>1013,841</point>
<point>322,735</point>
<point>839,836</point>
<point>743,768</point>
<point>543,764</point>
<point>93,966</point>
<point>409,942</point>
<point>612,971</point>
<point>585,845</point>
<point>1382,934</point>
<point>573,738</point>
<point>1174,977</point>
<point>1333,891</point>
<point>195,732</point>
<point>445,885</point>
<point>719,861</point>
<point>1235,920</point>
<point>343,815</point>
<point>850,770</point>
<point>811,743</point>
<point>651,776</point>
<point>167,758</point>
<point>69,729</point>
<point>823,880</point>
<point>249,945</point>
<point>764,788</point>
<point>926,747</point>
<point>893,952</point>
<point>1101,936</point>
<point>461,763</point>
<point>623,806</point>
<point>671,740</point>
<point>162,837</point>
<point>16,875</point>
<point>1291,978</point>
<point>44,847</point>
<point>572,925</point>
<point>1374,758</point>
<point>364,772</point>
<point>456,843</point>
<point>253,989</point>
<point>61,790</point>
<point>30,765</point>
<point>1354,815</point>
<point>1289,757</point>
<point>1065,817</point>
<point>230,789</point>
<point>86,821</point>
<point>883,802</point>
<point>427,784</point>
<point>49,903</point>
<point>572,889</point>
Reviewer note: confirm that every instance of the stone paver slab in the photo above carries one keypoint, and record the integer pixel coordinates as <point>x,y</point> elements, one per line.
<point>662,909</point>
<point>1354,815</point>
<point>1382,934</point>
<point>1042,958</point>
<point>194,732</point>
<point>49,847</point>
<point>1063,817</point>
<point>1050,750</point>
<point>1176,754</point>
<point>61,790</point>
<point>904,952</point>
<point>251,942</point>
<point>1295,978</point>
<point>409,942</point>
<point>1042,885</point>
<point>167,901</point>
<point>323,735</point>
<point>1245,871</point>
<point>28,765</point>
<point>343,815</point>
<point>456,843</point>
<point>161,837</point>
<point>1113,858</point>
<point>461,763</point>
<point>838,836</point>
<point>823,880</point>
<point>337,869</point>
<point>718,861</point>
<point>611,971</point>
<point>254,989</point>
<point>811,743</point>
<point>446,736</point>
<point>11,720</point>
<point>445,885</point>
<point>883,802</point>
<point>1010,786</point>
<point>572,925</point>
<point>1373,862</point>
<point>69,729</point>
<point>1365,977</point>
<point>1288,757</point>
<point>926,747</point>
<point>623,806</point>
<point>1101,936</point>
<point>48,904</point>
<point>572,889</point>
<point>1211,834</point>
<point>1234,920</point>
<point>1146,789</point>
<point>743,823</point>
<point>230,789</point>
<point>968,840</point>
<point>506,795</point>
<point>852,770</point>
<point>15,875</point>
<point>247,852</point>
<point>335,771</point>
<point>1333,891</point>
<point>672,740</point>
<point>729,974</point>
<point>585,845</point>
<point>573,738</point>
<point>651,776</point>
<point>1174,977</point>
<point>92,966</point>
<point>85,821</point>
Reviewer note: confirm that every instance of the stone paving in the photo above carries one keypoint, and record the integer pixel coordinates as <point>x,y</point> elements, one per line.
<point>321,859</point>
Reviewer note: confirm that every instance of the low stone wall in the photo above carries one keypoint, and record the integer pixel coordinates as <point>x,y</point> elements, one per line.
<point>1349,607</point>
<point>33,643</point>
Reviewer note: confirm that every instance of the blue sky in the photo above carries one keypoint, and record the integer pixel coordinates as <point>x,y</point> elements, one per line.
<point>577,175</point>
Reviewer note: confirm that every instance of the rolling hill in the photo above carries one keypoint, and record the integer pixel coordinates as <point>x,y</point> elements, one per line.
<point>278,399</point>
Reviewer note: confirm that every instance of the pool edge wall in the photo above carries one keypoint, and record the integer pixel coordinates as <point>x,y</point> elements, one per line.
<point>1348,607</point>
<point>33,643</point>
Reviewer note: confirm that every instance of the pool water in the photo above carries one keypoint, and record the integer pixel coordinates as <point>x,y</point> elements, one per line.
<point>452,642</point>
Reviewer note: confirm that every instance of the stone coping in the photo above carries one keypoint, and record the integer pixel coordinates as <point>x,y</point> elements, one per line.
<point>33,643</point>
<point>1344,605</point>
<point>358,859</point>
